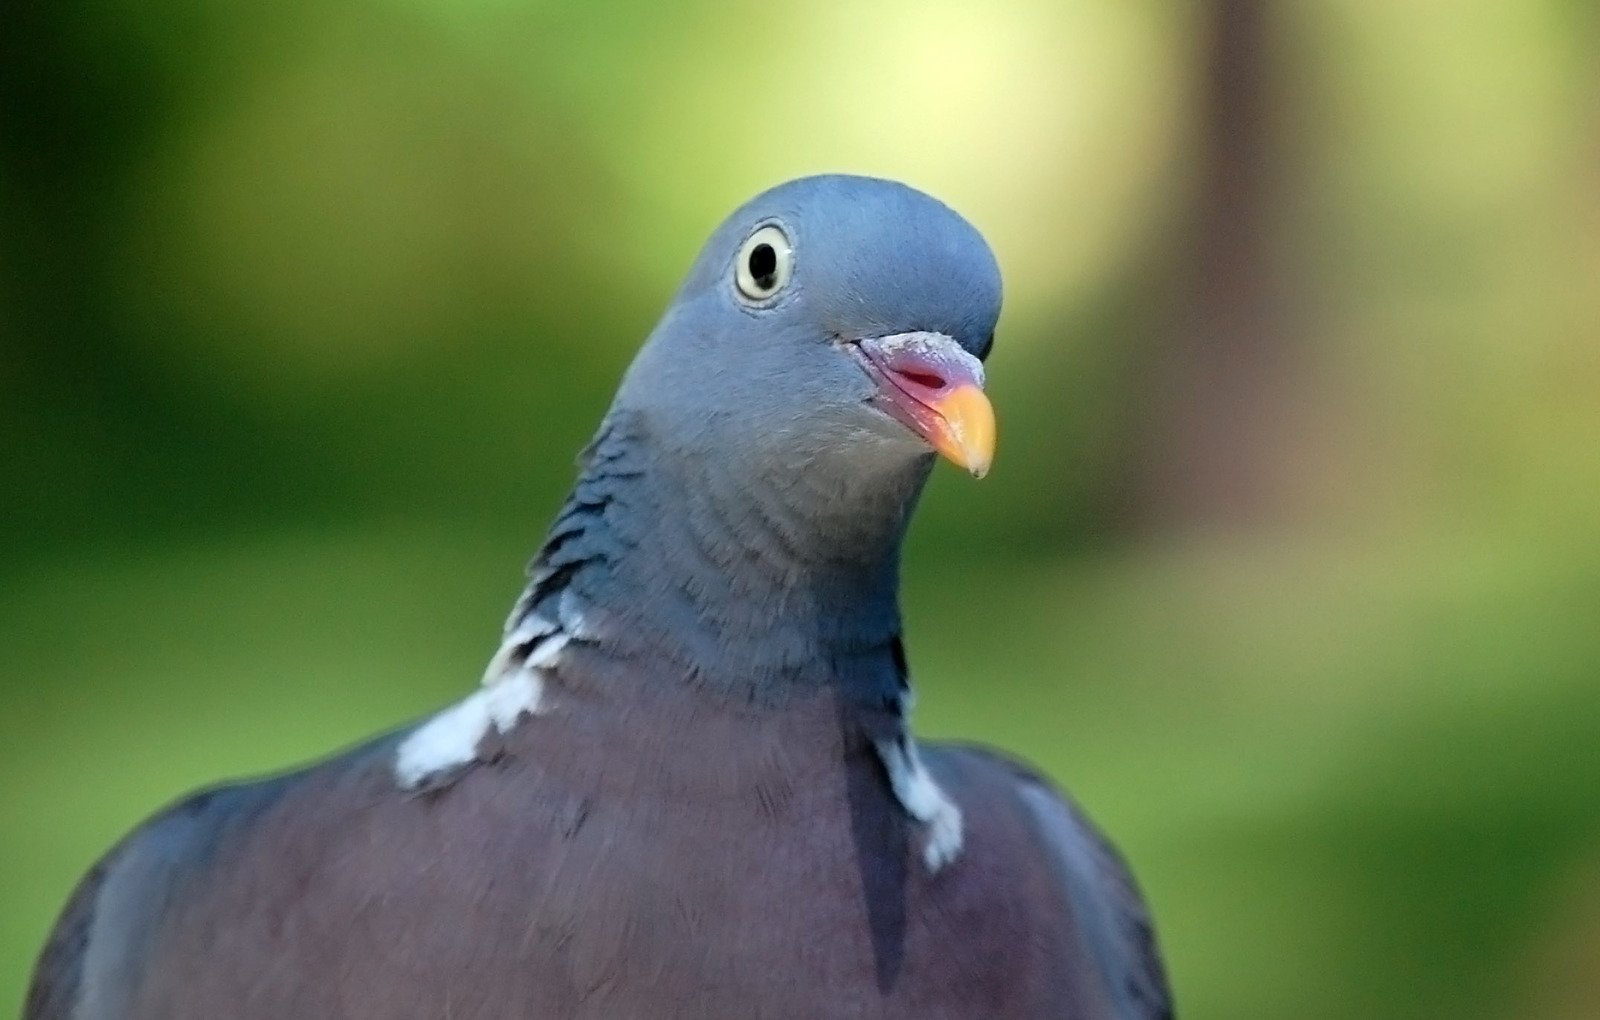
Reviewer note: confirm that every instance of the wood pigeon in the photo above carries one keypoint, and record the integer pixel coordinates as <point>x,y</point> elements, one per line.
<point>686,786</point>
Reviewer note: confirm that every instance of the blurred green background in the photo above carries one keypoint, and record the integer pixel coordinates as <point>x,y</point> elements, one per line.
<point>1290,564</point>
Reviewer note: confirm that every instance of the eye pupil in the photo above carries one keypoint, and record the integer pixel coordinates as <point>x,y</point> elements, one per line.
<point>763,266</point>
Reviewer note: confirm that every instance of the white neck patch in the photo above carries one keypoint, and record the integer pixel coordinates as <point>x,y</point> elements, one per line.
<point>924,800</point>
<point>513,686</point>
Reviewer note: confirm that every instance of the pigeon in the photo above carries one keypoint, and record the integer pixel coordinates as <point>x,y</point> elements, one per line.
<point>686,786</point>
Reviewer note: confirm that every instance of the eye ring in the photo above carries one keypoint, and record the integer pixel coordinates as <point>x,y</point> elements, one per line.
<point>764,264</point>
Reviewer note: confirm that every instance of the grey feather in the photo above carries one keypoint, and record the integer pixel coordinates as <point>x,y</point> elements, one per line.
<point>1107,905</point>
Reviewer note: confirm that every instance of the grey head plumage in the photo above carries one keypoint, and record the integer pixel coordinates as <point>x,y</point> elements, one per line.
<point>741,510</point>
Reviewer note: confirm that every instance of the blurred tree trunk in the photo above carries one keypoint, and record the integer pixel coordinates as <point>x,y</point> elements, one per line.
<point>1220,371</point>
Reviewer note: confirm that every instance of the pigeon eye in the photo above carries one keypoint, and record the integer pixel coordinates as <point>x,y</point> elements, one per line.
<point>764,264</point>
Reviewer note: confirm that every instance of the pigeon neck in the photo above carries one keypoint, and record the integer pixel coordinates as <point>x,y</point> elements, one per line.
<point>749,581</point>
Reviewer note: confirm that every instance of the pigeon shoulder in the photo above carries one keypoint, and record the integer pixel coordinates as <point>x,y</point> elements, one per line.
<point>91,962</point>
<point>1105,902</point>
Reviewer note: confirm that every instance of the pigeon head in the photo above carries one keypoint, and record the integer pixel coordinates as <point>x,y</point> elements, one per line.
<point>834,327</point>
<point>742,509</point>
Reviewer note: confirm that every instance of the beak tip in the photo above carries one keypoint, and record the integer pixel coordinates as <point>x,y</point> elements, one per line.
<point>967,436</point>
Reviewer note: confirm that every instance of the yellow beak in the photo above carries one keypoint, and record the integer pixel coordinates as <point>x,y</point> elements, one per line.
<point>965,431</point>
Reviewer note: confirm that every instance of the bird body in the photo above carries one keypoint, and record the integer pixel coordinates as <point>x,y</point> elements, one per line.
<point>779,879</point>
<point>687,786</point>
